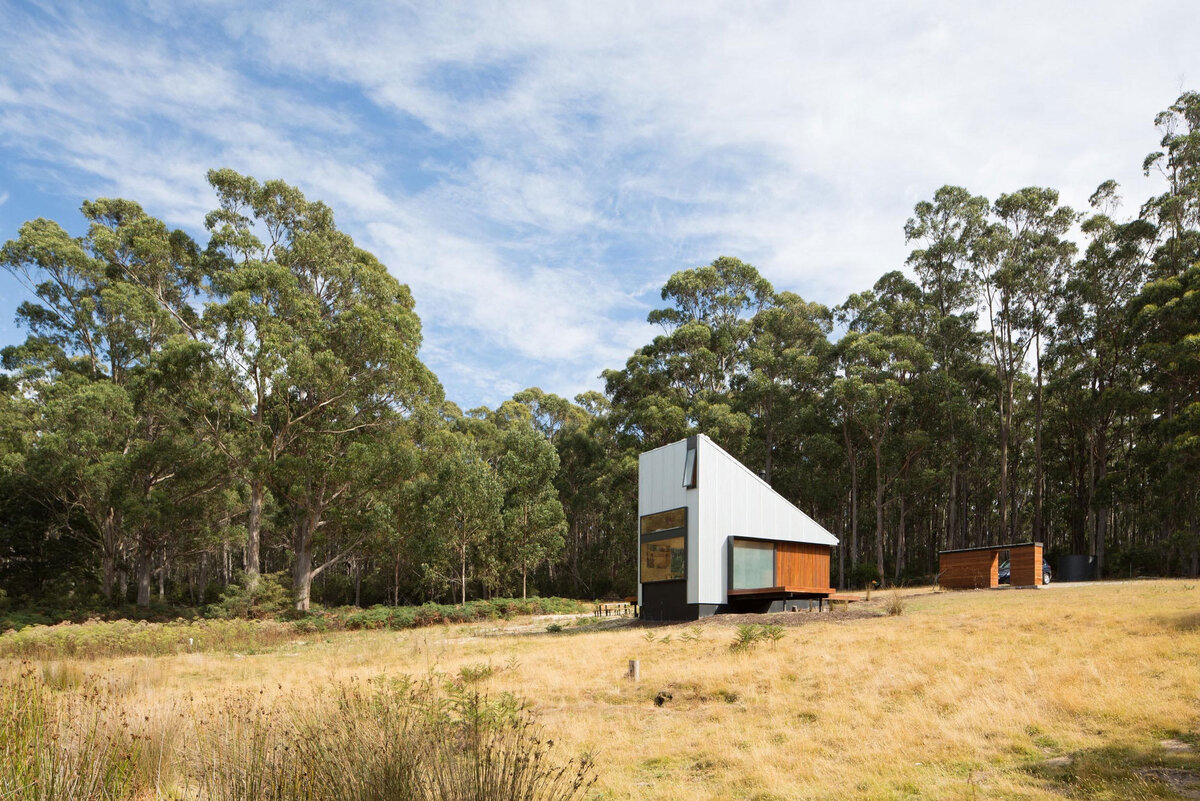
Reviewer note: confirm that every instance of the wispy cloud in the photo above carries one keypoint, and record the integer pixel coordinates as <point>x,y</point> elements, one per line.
<point>536,172</point>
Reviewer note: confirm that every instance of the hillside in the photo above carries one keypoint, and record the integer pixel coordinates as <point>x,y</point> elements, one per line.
<point>1070,691</point>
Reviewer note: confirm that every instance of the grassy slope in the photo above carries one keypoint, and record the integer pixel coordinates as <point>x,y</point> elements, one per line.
<point>965,695</point>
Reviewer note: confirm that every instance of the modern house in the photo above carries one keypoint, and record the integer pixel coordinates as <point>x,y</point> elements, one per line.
<point>714,537</point>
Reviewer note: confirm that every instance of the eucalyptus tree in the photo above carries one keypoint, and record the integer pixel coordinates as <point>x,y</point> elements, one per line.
<point>318,345</point>
<point>949,229</point>
<point>1167,317</point>
<point>1094,349</point>
<point>597,485</point>
<point>113,309</point>
<point>464,507</point>
<point>1019,267</point>
<point>787,367</point>
<point>881,357</point>
<point>1176,212</point>
<point>682,381</point>
<point>551,414</point>
<point>534,522</point>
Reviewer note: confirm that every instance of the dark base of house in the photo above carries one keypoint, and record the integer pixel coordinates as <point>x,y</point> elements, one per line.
<point>667,600</point>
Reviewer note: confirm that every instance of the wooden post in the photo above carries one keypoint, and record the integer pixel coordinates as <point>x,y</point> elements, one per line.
<point>635,670</point>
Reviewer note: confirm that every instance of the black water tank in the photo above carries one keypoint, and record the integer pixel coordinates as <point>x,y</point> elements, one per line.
<point>1076,567</point>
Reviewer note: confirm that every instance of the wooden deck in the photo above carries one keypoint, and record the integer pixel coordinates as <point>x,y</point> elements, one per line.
<point>824,596</point>
<point>783,592</point>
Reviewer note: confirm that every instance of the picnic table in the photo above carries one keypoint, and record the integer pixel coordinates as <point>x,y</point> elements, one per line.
<point>614,609</point>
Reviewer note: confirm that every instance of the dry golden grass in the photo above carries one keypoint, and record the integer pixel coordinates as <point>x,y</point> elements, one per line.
<point>1065,691</point>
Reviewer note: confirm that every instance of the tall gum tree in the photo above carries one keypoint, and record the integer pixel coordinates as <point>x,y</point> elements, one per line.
<point>881,356</point>
<point>109,305</point>
<point>681,382</point>
<point>947,230</point>
<point>1094,349</point>
<point>1019,264</point>
<point>318,343</point>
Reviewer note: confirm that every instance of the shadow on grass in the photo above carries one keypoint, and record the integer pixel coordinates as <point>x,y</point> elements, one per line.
<point>1188,622</point>
<point>1124,773</point>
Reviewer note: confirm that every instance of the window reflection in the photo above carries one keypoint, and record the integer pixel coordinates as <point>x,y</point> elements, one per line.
<point>664,560</point>
<point>664,521</point>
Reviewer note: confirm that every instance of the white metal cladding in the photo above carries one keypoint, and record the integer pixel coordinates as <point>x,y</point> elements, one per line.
<point>660,488</point>
<point>729,501</point>
<point>734,502</point>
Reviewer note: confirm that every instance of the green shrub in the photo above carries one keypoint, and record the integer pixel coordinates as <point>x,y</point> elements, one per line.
<point>750,635</point>
<point>377,617</point>
<point>270,596</point>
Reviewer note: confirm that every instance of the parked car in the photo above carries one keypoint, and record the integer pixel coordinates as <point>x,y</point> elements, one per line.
<point>1005,572</point>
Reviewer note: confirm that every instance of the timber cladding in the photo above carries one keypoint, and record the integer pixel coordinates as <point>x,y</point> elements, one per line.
<point>969,570</point>
<point>1025,565</point>
<point>801,564</point>
<point>974,568</point>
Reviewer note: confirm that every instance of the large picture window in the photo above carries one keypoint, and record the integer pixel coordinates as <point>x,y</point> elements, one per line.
<point>664,559</point>
<point>753,565</point>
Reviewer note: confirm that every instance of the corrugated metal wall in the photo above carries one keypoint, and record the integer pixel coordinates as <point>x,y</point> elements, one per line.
<point>734,502</point>
<point>728,501</point>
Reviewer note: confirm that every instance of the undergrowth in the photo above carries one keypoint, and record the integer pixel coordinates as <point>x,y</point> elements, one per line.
<point>750,635</point>
<point>395,739</point>
<point>100,638</point>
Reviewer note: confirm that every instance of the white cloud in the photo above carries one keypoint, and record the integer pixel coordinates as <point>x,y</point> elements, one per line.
<point>573,155</point>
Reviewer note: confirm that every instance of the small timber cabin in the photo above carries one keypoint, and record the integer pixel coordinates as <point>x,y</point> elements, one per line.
<point>714,537</point>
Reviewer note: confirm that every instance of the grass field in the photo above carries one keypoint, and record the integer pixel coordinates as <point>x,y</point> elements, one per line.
<point>1071,691</point>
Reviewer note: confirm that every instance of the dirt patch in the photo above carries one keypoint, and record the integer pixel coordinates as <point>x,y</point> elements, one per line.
<point>839,614</point>
<point>1186,783</point>
<point>566,624</point>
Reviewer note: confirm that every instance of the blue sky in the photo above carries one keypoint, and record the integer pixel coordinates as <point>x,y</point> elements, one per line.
<point>535,171</point>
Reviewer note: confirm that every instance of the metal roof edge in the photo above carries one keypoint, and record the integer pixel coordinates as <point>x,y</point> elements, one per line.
<point>992,547</point>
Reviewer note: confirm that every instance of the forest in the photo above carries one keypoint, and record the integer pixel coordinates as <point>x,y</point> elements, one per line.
<point>187,419</point>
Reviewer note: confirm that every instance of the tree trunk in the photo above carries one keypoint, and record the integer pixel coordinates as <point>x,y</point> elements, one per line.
<point>203,579</point>
<point>145,569</point>
<point>952,505</point>
<point>842,557</point>
<point>396,581</point>
<point>879,511</point>
<point>254,532</point>
<point>109,530</point>
<point>108,575</point>
<point>1102,507</point>
<point>1004,432</point>
<point>768,458</point>
<point>853,496</point>
<point>524,576</point>
<point>1038,480</point>
<point>302,572</point>
<point>463,574</point>
<point>900,544</point>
